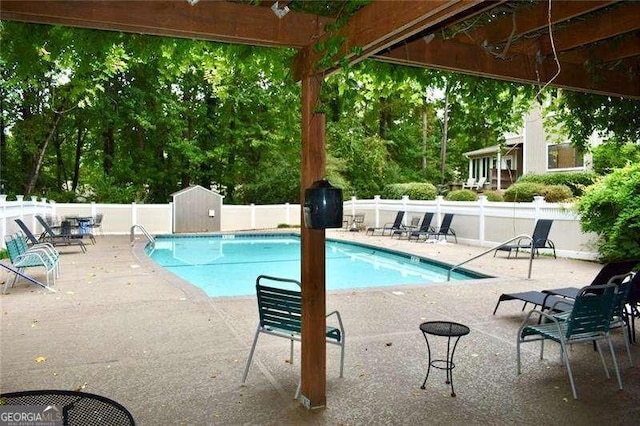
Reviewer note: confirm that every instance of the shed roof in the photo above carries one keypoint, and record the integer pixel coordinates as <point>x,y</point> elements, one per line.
<point>198,188</point>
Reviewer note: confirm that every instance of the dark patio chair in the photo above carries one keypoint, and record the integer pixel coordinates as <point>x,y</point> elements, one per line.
<point>390,227</point>
<point>444,229</point>
<point>540,240</point>
<point>548,298</point>
<point>63,238</point>
<point>425,227</point>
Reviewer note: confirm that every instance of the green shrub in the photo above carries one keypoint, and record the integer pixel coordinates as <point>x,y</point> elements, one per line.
<point>611,209</point>
<point>414,190</point>
<point>462,195</point>
<point>494,196</point>
<point>523,192</point>
<point>556,193</point>
<point>576,181</point>
<point>4,254</point>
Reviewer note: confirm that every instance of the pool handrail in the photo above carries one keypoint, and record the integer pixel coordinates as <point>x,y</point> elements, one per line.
<point>144,231</point>
<point>502,244</point>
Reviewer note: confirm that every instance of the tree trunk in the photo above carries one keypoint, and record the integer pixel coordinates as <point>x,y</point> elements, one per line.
<point>445,128</point>
<point>109,150</point>
<point>424,137</point>
<point>35,173</point>
<point>61,173</point>
<point>82,133</point>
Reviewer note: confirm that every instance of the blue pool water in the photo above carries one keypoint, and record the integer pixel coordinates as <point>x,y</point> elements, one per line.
<point>228,265</point>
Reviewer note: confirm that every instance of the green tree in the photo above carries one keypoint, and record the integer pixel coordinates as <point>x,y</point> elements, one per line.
<point>582,114</point>
<point>611,209</point>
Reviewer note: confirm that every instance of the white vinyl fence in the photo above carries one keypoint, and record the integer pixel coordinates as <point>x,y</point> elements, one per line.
<point>481,223</point>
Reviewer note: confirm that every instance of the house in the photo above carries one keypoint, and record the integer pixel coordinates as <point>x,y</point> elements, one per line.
<point>533,150</point>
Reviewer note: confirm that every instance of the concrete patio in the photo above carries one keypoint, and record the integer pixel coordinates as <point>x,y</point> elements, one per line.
<point>121,327</point>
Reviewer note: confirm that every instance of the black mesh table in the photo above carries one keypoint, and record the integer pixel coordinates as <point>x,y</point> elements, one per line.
<point>450,330</point>
<point>72,407</point>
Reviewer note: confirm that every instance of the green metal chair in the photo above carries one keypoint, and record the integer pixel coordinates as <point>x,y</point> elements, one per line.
<point>280,313</point>
<point>589,321</point>
<point>30,259</point>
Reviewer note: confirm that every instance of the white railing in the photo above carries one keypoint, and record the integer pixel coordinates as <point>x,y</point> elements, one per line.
<point>481,223</point>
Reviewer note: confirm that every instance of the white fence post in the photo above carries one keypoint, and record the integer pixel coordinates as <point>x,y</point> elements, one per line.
<point>253,216</point>
<point>3,204</point>
<point>134,214</point>
<point>287,213</point>
<point>482,201</point>
<point>538,201</point>
<point>405,199</point>
<point>376,202</point>
<point>439,199</point>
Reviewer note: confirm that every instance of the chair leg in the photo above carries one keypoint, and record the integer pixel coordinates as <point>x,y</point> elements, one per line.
<point>342,358</point>
<point>615,362</point>
<point>253,348</point>
<point>518,354</point>
<point>565,356</point>
<point>627,337</point>
<point>291,353</point>
<point>604,364</point>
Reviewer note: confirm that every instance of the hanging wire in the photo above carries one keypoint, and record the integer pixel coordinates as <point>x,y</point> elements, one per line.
<point>555,55</point>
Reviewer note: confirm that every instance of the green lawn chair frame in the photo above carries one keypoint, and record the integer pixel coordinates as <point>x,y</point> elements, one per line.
<point>280,313</point>
<point>589,321</point>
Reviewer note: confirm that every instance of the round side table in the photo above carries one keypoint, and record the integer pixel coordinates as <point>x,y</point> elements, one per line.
<point>449,330</point>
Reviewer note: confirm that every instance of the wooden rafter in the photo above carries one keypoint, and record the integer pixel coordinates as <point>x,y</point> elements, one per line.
<point>532,19</point>
<point>469,59</point>
<point>611,23</point>
<point>382,24</point>
<point>207,20</point>
<point>607,51</point>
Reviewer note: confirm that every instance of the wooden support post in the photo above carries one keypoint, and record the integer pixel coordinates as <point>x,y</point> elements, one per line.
<point>313,159</point>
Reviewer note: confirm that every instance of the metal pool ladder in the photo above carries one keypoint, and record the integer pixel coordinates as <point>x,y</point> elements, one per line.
<point>502,244</point>
<point>144,231</point>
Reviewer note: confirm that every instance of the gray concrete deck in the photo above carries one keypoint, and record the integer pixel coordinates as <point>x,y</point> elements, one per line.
<point>121,327</point>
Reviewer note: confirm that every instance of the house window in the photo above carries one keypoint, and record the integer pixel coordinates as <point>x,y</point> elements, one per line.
<point>563,156</point>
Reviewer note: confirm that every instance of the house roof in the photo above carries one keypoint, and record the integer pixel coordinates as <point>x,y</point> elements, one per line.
<point>483,152</point>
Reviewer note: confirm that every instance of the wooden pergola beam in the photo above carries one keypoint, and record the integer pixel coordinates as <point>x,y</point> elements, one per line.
<point>609,24</point>
<point>533,19</point>
<point>606,52</point>
<point>468,59</point>
<point>379,25</point>
<point>207,20</point>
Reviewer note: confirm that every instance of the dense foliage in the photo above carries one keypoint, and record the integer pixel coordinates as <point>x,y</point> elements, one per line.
<point>462,195</point>
<point>576,181</point>
<point>610,155</point>
<point>114,117</point>
<point>611,209</point>
<point>494,196</point>
<point>582,114</point>
<point>523,192</point>
<point>111,117</point>
<point>413,190</point>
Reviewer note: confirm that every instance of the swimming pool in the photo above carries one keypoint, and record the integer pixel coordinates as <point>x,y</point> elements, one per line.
<point>227,265</point>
